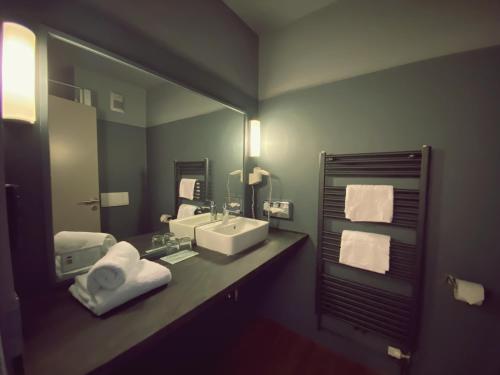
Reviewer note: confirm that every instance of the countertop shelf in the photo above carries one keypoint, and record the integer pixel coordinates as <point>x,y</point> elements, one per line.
<point>62,337</point>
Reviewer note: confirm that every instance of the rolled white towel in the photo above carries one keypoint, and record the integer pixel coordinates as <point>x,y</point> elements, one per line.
<point>112,270</point>
<point>144,277</point>
<point>67,241</point>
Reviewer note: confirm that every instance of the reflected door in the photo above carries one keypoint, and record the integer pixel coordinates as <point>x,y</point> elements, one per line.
<point>73,166</point>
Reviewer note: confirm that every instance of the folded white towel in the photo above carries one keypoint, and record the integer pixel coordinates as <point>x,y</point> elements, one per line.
<point>369,203</point>
<point>66,241</point>
<point>113,269</point>
<point>186,188</point>
<point>146,276</point>
<point>369,251</point>
<point>186,210</point>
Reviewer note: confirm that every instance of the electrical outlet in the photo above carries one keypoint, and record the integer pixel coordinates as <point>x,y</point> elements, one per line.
<point>279,209</point>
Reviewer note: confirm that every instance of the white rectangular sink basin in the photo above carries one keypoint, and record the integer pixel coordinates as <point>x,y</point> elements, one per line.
<point>236,235</point>
<point>185,227</point>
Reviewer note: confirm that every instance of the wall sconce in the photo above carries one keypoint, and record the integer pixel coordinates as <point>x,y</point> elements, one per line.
<point>254,138</point>
<point>18,73</point>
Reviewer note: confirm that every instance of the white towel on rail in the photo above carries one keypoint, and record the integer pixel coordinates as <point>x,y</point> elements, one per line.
<point>186,188</point>
<point>112,270</point>
<point>369,251</point>
<point>144,277</point>
<point>186,210</point>
<point>373,203</point>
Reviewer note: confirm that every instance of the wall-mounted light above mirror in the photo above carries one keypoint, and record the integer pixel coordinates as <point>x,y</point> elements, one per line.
<point>254,138</point>
<point>18,73</point>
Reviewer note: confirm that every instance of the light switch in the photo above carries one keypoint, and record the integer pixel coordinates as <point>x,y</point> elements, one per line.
<point>114,199</point>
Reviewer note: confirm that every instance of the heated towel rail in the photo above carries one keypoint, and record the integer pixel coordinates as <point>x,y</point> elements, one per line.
<point>192,169</point>
<point>369,308</point>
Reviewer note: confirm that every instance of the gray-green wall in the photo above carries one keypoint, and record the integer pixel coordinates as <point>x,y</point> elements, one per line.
<point>217,136</point>
<point>450,103</point>
<point>122,167</point>
<point>102,85</point>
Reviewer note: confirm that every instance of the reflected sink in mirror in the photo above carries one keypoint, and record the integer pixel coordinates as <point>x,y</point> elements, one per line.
<point>185,227</point>
<point>236,235</point>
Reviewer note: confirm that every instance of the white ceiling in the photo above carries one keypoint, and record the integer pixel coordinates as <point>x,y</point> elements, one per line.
<point>267,15</point>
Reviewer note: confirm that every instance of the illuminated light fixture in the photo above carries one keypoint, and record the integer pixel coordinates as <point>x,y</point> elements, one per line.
<point>254,138</point>
<point>18,73</point>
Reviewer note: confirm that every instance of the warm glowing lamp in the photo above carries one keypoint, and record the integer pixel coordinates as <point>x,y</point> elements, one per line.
<point>254,138</point>
<point>18,73</point>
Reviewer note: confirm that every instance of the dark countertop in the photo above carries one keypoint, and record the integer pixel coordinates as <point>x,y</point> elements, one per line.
<point>62,337</point>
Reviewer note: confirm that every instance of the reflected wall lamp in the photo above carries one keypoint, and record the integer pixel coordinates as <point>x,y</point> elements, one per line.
<point>254,138</point>
<point>18,73</point>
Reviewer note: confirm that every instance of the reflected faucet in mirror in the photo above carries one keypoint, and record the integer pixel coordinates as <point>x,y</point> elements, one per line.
<point>230,208</point>
<point>210,206</point>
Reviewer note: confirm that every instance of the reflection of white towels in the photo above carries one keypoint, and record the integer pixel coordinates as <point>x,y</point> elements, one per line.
<point>368,251</point>
<point>144,277</point>
<point>186,210</point>
<point>113,269</point>
<point>186,188</point>
<point>369,203</point>
<point>66,241</point>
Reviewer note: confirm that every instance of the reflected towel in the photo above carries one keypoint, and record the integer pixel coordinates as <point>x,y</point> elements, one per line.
<point>369,203</point>
<point>113,269</point>
<point>186,210</point>
<point>186,188</point>
<point>369,251</point>
<point>144,277</point>
<point>67,241</point>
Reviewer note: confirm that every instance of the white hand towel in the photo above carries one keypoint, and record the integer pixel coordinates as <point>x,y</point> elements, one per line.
<point>369,203</point>
<point>113,269</point>
<point>369,251</point>
<point>66,241</point>
<point>146,276</point>
<point>186,210</point>
<point>186,188</point>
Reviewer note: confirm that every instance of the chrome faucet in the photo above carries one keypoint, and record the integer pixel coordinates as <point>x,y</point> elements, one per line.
<point>227,211</point>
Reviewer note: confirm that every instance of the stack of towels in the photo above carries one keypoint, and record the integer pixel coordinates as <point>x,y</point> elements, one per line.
<point>368,251</point>
<point>117,278</point>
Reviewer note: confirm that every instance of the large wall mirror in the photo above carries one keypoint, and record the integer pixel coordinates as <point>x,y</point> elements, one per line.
<point>115,133</point>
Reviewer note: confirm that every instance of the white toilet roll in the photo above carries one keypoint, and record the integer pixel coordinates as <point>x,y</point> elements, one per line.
<point>469,292</point>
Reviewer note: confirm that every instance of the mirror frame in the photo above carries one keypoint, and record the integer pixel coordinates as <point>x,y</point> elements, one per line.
<point>44,33</point>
